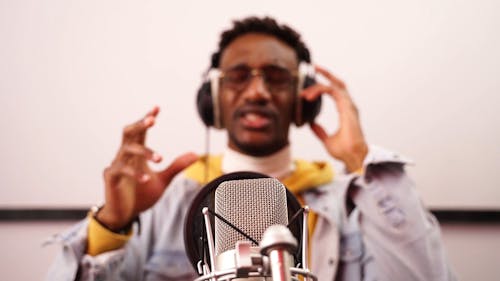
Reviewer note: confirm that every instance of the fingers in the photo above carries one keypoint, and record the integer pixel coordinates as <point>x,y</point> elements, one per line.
<point>137,151</point>
<point>319,131</point>
<point>334,80</point>
<point>122,166</point>
<point>316,90</point>
<point>115,172</point>
<point>179,164</point>
<point>154,112</point>
<point>136,132</point>
<point>349,128</point>
<point>336,89</point>
<point>130,159</point>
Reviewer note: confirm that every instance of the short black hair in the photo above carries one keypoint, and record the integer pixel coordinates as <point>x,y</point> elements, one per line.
<point>265,25</point>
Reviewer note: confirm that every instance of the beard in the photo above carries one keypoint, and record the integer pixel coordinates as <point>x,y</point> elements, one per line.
<point>258,149</point>
<point>257,141</point>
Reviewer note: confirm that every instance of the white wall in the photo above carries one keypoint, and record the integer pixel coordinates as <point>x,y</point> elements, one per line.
<point>73,73</point>
<point>473,250</point>
<point>423,73</point>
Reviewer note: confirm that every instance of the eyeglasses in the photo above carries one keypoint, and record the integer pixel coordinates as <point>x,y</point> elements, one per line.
<point>275,78</point>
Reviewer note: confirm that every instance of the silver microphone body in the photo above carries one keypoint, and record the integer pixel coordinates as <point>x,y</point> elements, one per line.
<point>252,205</point>
<point>281,262</point>
<point>278,244</point>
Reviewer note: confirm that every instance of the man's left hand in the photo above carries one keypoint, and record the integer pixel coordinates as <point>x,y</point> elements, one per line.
<point>347,143</point>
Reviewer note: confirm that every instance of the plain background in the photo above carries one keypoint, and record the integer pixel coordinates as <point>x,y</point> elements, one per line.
<point>424,75</point>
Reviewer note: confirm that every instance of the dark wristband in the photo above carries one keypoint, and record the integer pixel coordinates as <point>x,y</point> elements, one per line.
<point>94,210</point>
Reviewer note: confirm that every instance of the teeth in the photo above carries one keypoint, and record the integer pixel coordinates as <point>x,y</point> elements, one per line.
<point>253,116</point>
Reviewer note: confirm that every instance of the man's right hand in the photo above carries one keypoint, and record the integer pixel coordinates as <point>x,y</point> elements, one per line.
<point>130,185</point>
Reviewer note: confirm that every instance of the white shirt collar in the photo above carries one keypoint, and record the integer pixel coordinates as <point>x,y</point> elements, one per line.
<point>277,165</point>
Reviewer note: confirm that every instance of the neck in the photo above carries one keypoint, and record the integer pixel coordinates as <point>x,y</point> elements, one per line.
<point>277,165</point>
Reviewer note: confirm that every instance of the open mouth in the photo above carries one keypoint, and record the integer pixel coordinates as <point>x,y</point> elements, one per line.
<point>255,119</point>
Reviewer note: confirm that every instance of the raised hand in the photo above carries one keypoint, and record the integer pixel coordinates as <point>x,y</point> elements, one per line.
<point>130,185</point>
<point>347,143</point>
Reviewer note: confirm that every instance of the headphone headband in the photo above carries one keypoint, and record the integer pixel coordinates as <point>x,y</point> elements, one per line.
<point>213,77</point>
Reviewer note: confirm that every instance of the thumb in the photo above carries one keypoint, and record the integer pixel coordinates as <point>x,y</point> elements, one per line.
<point>319,131</point>
<point>179,164</point>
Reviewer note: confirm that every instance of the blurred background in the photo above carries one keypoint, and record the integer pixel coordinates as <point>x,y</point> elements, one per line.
<point>424,75</point>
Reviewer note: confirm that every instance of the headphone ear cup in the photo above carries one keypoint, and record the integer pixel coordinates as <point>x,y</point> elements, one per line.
<point>205,104</point>
<point>310,109</point>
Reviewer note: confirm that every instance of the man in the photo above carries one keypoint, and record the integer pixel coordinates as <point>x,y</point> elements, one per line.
<point>367,225</point>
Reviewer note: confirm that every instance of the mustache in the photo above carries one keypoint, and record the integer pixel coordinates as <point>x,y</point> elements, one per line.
<point>260,110</point>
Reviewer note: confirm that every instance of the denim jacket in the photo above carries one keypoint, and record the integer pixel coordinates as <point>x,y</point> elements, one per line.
<point>389,235</point>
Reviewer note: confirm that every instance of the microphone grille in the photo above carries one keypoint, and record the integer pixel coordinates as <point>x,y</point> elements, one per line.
<point>252,205</point>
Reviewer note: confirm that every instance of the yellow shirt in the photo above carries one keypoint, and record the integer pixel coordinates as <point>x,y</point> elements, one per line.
<point>306,175</point>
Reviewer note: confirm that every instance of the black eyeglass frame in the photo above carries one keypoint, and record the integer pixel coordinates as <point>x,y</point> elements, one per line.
<point>288,82</point>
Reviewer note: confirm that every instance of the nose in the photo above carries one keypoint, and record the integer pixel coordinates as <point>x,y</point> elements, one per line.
<point>256,91</point>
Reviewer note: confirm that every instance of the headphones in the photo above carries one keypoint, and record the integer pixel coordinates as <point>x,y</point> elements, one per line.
<point>207,100</point>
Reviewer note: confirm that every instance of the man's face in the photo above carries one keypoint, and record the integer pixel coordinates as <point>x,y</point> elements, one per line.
<point>257,109</point>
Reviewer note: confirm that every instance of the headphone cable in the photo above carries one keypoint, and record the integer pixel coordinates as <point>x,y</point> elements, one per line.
<point>207,151</point>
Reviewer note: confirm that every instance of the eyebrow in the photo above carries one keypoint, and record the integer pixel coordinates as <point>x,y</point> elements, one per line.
<point>248,66</point>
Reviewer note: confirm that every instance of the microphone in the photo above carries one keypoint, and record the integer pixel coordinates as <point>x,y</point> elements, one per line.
<point>251,206</point>
<point>278,243</point>
<point>245,208</point>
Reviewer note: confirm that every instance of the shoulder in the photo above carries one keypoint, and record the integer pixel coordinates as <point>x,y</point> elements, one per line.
<point>205,169</point>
